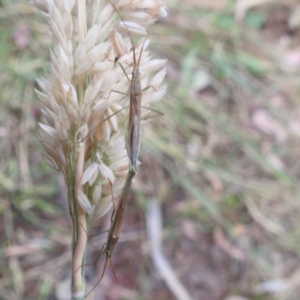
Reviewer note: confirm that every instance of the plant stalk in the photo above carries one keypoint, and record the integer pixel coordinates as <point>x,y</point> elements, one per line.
<point>81,239</point>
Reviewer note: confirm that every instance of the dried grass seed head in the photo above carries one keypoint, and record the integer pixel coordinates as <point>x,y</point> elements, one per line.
<point>93,61</point>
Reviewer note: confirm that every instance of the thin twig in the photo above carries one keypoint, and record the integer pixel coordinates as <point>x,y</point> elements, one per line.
<point>78,279</point>
<point>258,217</point>
<point>154,229</point>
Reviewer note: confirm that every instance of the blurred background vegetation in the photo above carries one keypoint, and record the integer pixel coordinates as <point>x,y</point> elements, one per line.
<point>223,161</point>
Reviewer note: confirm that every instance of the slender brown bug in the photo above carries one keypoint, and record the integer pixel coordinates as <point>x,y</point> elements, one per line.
<point>132,147</point>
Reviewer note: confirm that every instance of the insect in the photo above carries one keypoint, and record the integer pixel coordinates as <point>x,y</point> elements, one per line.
<point>132,147</point>
<point>117,218</point>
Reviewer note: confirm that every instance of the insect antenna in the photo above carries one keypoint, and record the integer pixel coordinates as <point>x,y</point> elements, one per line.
<point>133,48</point>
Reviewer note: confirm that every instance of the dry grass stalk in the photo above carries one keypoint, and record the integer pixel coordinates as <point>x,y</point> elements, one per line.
<point>83,132</point>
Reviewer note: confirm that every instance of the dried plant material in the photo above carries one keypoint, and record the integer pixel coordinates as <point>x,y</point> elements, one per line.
<point>154,231</point>
<point>213,4</point>
<point>85,203</point>
<point>294,20</point>
<point>291,60</point>
<point>85,96</point>
<point>235,297</point>
<point>265,123</point>
<point>216,183</point>
<point>223,243</point>
<point>65,113</point>
<point>294,128</point>
<point>271,286</point>
<point>243,5</point>
<point>275,161</point>
<point>262,220</point>
<point>202,80</point>
<point>21,36</point>
<point>189,229</point>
